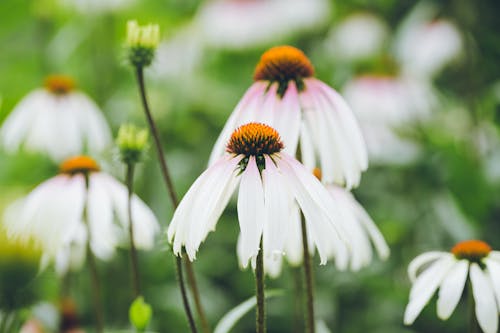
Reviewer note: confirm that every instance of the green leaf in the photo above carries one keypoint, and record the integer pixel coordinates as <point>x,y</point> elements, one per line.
<point>231,318</point>
<point>140,314</point>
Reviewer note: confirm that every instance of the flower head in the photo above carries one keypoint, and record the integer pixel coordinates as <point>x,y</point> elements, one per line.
<point>132,141</point>
<point>142,42</point>
<point>272,188</point>
<point>53,213</point>
<point>57,120</point>
<point>287,97</point>
<point>448,272</point>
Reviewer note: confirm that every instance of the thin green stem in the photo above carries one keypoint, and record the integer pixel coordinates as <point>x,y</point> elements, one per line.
<point>260,317</point>
<point>180,278</point>
<point>196,295</point>
<point>134,262</point>
<point>298,304</point>
<point>173,197</point>
<point>94,276</point>
<point>310,324</point>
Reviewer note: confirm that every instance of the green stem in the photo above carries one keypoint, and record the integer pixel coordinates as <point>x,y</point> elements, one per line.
<point>94,276</point>
<point>298,304</point>
<point>134,262</point>
<point>259,291</point>
<point>310,324</point>
<point>196,295</point>
<point>173,197</point>
<point>3,324</point>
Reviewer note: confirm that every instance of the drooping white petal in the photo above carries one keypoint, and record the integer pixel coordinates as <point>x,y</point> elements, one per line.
<point>486,307</point>
<point>243,113</point>
<point>422,260</point>
<point>287,119</point>
<point>277,199</point>
<point>308,154</point>
<point>451,289</point>
<point>293,245</point>
<point>251,210</point>
<point>194,214</point>
<point>493,269</point>
<point>425,286</point>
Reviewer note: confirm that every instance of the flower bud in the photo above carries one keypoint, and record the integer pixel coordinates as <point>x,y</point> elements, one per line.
<point>132,141</point>
<point>140,314</point>
<point>142,42</point>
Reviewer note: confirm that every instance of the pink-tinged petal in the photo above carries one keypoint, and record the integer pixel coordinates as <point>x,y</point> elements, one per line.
<point>288,119</point>
<point>268,110</point>
<point>308,154</point>
<point>451,289</point>
<point>422,260</point>
<point>243,113</point>
<point>493,269</point>
<point>425,286</point>
<point>486,307</point>
<point>348,122</point>
<point>293,245</point>
<point>251,210</point>
<point>277,199</point>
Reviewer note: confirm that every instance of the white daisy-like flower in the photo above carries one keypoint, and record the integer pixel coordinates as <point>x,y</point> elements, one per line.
<point>357,37</point>
<point>80,203</point>
<point>424,46</point>
<point>56,120</point>
<point>448,272</point>
<point>357,224</point>
<point>286,96</point>
<point>237,24</point>
<point>383,105</point>
<point>270,183</point>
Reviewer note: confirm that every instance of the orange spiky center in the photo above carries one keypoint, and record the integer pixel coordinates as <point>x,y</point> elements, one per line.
<point>472,250</point>
<point>59,84</point>
<point>254,139</point>
<point>317,173</point>
<point>79,164</point>
<point>283,64</point>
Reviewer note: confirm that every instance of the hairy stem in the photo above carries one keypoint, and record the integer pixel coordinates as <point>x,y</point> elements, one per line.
<point>173,198</point>
<point>310,324</point>
<point>259,291</point>
<point>134,262</point>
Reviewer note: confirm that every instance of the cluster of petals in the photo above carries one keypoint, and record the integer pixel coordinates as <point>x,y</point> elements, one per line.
<point>449,273</point>
<point>57,124</point>
<point>266,199</point>
<point>314,115</point>
<point>64,214</point>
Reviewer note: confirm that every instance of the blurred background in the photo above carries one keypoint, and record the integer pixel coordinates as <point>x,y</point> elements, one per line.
<point>422,77</point>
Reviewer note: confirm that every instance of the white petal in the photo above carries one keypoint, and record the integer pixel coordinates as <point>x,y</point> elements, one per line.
<point>422,260</point>
<point>486,308</point>
<point>493,269</point>
<point>251,210</point>
<point>451,289</point>
<point>308,157</point>
<point>425,286</point>
<point>288,119</point>
<point>245,109</point>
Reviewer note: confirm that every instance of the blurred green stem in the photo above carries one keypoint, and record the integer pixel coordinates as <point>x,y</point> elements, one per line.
<point>195,292</point>
<point>259,291</point>
<point>298,304</point>
<point>3,324</point>
<point>134,263</point>
<point>173,197</point>
<point>94,276</point>
<point>308,280</point>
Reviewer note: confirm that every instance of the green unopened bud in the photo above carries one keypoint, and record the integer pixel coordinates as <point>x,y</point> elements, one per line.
<point>142,42</point>
<point>132,141</point>
<point>140,314</point>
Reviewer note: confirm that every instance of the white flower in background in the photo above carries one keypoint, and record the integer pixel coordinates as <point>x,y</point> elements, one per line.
<point>385,104</point>
<point>56,120</point>
<point>358,37</point>
<point>424,45</point>
<point>286,96</point>
<point>62,211</point>
<point>241,24</point>
<point>270,181</point>
<point>449,272</point>
<point>96,6</point>
<point>356,222</point>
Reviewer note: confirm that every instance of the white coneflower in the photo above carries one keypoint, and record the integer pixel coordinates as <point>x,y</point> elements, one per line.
<point>270,181</point>
<point>448,272</point>
<point>238,24</point>
<point>57,120</point>
<point>62,210</point>
<point>356,222</point>
<point>286,96</point>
